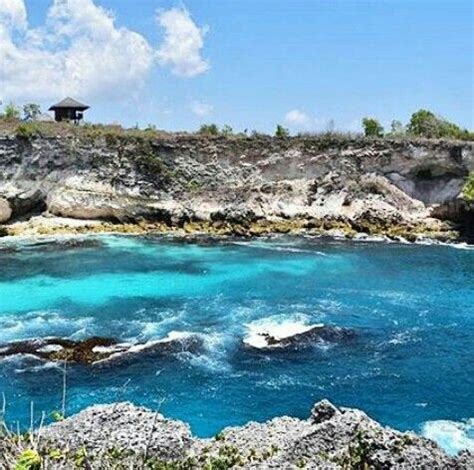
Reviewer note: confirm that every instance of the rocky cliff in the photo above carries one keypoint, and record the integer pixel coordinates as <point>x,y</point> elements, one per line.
<point>238,185</point>
<point>124,436</point>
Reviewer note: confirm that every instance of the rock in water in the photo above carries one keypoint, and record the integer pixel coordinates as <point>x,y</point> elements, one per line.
<point>97,350</point>
<point>265,339</point>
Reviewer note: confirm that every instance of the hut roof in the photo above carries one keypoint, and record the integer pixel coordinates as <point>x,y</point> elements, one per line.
<point>69,103</point>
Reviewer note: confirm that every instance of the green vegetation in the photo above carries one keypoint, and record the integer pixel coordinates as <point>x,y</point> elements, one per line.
<point>281,132</point>
<point>11,112</point>
<point>209,129</point>
<point>468,190</point>
<point>27,130</point>
<point>372,127</point>
<point>28,460</point>
<point>426,124</point>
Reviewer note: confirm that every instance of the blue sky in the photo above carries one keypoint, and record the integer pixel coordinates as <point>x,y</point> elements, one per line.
<point>262,62</point>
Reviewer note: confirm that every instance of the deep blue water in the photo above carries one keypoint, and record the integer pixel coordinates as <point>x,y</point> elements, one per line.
<point>411,306</point>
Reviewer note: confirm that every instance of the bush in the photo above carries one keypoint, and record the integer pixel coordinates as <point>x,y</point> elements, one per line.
<point>282,132</point>
<point>27,130</point>
<point>372,127</point>
<point>425,123</point>
<point>11,112</point>
<point>209,129</point>
<point>468,190</point>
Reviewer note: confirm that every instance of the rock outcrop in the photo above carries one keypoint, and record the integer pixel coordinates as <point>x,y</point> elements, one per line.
<point>240,185</point>
<point>331,438</point>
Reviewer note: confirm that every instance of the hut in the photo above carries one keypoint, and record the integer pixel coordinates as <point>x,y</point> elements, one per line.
<point>68,110</point>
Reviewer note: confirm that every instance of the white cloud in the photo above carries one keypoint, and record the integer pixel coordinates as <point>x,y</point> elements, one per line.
<point>12,14</point>
<point>183,42</point>
<point>80,51</point>
<point>297,117</point>
<point>201,109</point>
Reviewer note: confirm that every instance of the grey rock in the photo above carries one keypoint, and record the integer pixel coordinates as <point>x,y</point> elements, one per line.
<point>333,438</point>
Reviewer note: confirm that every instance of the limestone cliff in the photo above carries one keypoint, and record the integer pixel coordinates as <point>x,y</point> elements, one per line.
<point>240,185</point>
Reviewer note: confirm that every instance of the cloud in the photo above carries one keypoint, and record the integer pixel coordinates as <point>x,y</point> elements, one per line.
<point>12,14</point>
<point>297,117</point>
<point>201,109</point>
<point>183,42</point>
<point>80,51</point>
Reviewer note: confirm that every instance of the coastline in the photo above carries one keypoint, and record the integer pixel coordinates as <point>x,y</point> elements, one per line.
<point>46,227</point>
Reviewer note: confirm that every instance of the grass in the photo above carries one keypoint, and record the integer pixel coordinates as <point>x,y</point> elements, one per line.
<point>468,190</point>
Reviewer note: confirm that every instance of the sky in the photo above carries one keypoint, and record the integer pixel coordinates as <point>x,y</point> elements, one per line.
<point>250,64</point>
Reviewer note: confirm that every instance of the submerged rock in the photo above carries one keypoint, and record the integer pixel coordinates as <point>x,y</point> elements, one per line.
<point>331,438</point>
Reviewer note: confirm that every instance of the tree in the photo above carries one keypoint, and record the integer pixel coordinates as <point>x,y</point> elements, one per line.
<point>372,127</point>
<point>11,112</point>
<point>31,111</point>
<point>397,128</point>
<point>282,132</point>
<point>427,124</point>
<point>424,123</point>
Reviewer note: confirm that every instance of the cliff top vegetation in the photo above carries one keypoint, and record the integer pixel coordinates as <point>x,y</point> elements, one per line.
<point>27,123</point>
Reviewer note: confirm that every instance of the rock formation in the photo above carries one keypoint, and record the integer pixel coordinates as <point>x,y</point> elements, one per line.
<point>331,438</point>
<point>239,185</point>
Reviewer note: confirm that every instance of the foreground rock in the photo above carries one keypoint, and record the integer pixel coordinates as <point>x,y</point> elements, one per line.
<point>331,438</point>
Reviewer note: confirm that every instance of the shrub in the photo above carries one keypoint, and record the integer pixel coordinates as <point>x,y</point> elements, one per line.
<point>28,460</point>
<point>11,112</point>
<point>425,123</point>
<point>372,127</point>
<point>227,131</point>
<point>209,129</point>
<point>27,130</point>
<point>282,132</point>
<point>468,190</point>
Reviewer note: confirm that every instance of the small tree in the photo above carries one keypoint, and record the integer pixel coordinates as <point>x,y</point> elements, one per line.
<point>372,127</point>
<point>397,128</point>
<point>31,111</point>
<point>282,132</point>
<point>424,123</point>
<point>227,131</point>
<point>11,112</point>
<point>209,129</point>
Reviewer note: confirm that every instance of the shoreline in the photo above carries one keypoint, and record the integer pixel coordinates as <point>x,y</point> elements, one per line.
<point>45,228</point>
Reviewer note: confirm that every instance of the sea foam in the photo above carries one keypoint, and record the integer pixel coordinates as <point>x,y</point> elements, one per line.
<point>452,436</point>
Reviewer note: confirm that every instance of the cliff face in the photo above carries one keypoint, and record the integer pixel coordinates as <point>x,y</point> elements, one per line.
<point>254,184</point>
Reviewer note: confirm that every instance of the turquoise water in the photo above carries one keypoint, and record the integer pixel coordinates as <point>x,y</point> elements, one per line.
<point>410,365</point>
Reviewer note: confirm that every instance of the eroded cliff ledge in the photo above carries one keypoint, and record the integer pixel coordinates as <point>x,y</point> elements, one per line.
<point>236,185</point>
<point>122,435</point>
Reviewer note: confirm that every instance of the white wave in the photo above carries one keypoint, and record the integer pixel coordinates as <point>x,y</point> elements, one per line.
<point>122,349</point>
<point>278,327</point>
<point>213,358</point>
<point>40,323</point>
<point>278,247</point>
<point>452,436</point>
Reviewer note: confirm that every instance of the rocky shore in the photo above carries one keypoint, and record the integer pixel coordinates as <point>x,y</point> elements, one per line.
<point>245,186</point>
<point>123,436</point>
